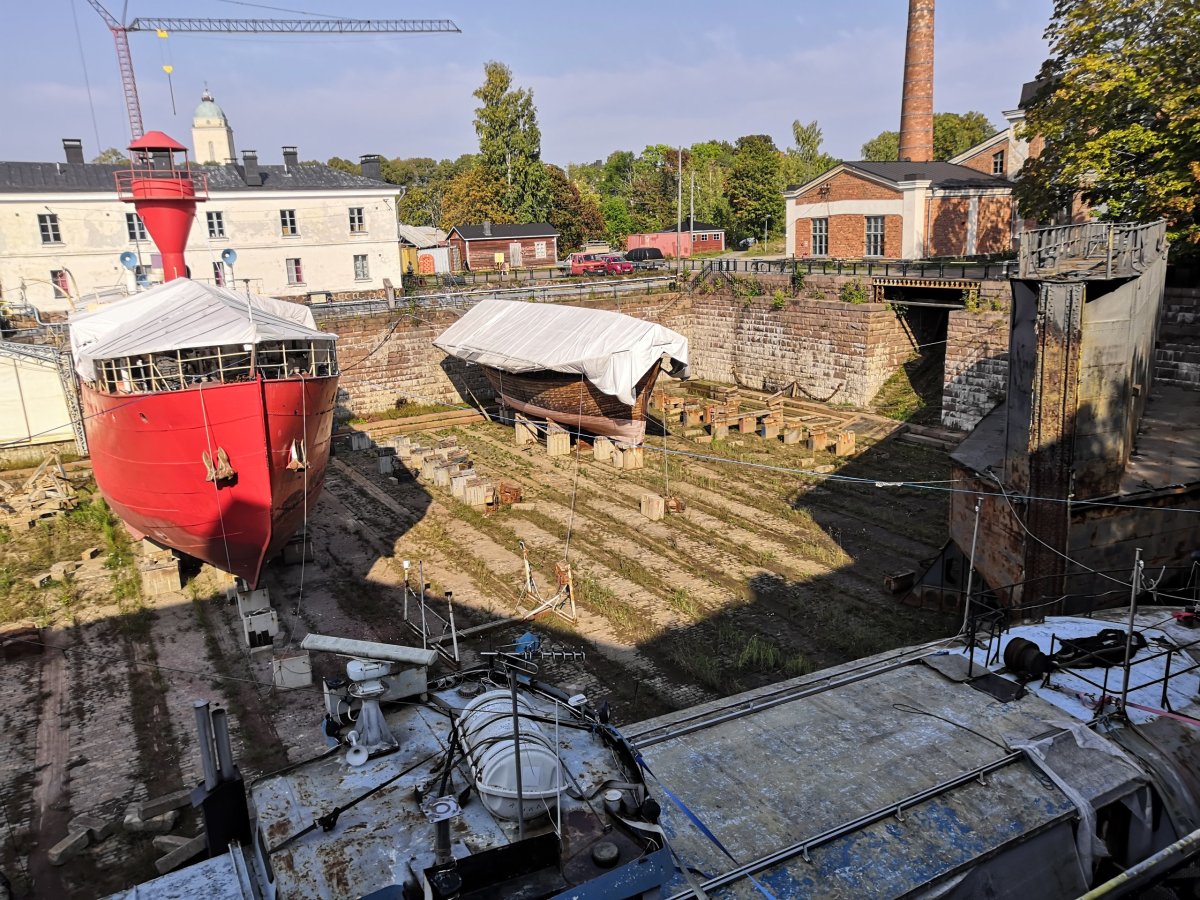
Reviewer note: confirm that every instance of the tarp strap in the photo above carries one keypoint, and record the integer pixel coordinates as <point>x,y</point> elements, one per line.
<point>704,829</point>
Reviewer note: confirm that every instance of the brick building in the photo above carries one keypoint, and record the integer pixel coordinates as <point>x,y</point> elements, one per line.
<point>487,246</point>
<point>900,210</point>
<point>694,237</point>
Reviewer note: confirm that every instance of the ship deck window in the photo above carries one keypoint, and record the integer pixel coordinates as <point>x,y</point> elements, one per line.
<point>227,364</point>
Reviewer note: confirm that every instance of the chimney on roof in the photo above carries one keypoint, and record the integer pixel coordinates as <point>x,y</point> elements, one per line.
<point>372,166</point>
<point>73,147</point>
<point>253,176</point>
<point>291,156</point>
<point>916,107</point>
<point>487,227</point>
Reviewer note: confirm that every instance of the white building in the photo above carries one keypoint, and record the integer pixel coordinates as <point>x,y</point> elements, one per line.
<point>297,229</point>
<point>212,137</point>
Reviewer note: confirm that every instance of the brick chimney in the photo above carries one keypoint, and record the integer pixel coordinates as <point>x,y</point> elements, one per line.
<point>253,177</point>
<point>916,108</point>
<point>372,166</point>
<point>73,147</point>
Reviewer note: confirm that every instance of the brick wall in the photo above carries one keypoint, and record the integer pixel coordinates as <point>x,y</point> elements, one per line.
<point>993,228</point>
<point>832,350</point>
<point>1177,351</point>
<point>847,186</point>
<point>976,368</point>
<point>948,226</point>
<point>982,161</point>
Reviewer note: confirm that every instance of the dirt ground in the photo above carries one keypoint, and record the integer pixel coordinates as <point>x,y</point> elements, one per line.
<point>767,573</point>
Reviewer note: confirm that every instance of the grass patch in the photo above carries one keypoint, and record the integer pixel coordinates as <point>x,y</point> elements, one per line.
<point>404,410</point>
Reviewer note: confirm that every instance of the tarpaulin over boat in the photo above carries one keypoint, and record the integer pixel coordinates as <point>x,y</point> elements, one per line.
<point>181,314</point>
<point>611,350</point>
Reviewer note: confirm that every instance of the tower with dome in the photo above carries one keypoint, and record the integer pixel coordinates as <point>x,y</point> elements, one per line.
<point>212,138</point>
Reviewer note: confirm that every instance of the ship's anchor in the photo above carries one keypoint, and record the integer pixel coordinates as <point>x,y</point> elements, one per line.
<point>222,471</point>
<point>299,456</point>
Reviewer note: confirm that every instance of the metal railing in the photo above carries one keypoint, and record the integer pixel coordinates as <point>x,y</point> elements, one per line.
<point>974,270</point>
<point>158,184</point>
<point>1095,249</point>
<point>178,370</point>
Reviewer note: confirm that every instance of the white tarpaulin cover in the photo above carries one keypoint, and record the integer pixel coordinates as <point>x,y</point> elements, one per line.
<point>610,350</point>
<point>181,314</point>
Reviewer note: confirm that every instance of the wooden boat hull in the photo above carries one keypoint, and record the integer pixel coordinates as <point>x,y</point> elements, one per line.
<point>575,403</point>
<point>147,455</point>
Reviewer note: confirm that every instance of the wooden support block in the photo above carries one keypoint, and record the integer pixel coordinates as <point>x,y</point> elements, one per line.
<point>402,444</point>
<point>602,449</point>
<point>792,436</point>
<point>748,424</point>
<point>654,507</point>
<point>617,457</point>
<point>558,441</point>
<point>899,581</point>
<point>385,464</point>
<point>818,440</point>
<point>477,492</point>
<point>768,430</point>
<point>523,431</point>
<point>719,431</point>
<point>633,457</point>
<point>299,549</point>
<point>692,415</point>
<point>443,474</point>
<point>160,577</point>
<point>458,483</point>
<point>845,443</point>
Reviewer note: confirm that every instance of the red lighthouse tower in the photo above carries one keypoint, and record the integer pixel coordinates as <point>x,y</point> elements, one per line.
<point>165,194</point>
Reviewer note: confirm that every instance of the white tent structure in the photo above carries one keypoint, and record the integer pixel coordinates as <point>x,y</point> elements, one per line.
<point>612,351</point>
<point>183,314</point>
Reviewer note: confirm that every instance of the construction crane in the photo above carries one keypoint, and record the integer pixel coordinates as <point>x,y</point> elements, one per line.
<point>120,33</point>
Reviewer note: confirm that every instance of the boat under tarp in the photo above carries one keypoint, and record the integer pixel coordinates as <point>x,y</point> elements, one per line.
<point>587,369</point>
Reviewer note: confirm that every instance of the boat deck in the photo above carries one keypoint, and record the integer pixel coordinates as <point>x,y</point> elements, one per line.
<point>891,775</point>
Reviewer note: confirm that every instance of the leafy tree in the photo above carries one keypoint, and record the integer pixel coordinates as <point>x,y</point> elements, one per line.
<point>344,165</point>
<point>952,134</point>
<point>805,161</point>
<point>510,144</point>
<point>754,186</point>
<point>618,224</point>
<point>1119,115</point>
<point>473,195</point>
<point>617,174</point>
<point>575,216</point>
<point>884,147</point>
<point>111,157</point>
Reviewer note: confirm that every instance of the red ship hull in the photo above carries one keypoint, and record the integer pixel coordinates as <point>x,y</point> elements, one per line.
<point>147,455</point>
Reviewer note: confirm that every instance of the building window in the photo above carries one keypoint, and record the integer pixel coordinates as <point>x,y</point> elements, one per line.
<point>539,249</point>
<point>135,227</point>
<point>874,236</point>
<point>295,274</point>
<point>820,237</point>
<point>216,224</point>
<point>48,224</point>
<point>361,272</point>
<point>219,274</point>
<point>58,278</point>
<point>998,162</point>
<point>287,222</point>
<point>358,222</point>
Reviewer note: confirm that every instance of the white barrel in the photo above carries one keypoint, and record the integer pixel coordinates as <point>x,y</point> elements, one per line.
<point>486,728</point>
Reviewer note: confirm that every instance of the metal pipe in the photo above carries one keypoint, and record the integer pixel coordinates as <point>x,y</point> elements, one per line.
<point>512,680</point>
<point>1134,585</point>
<point>204,730</point>
<point>1173,853</point>
<point>424,630</point>
<point>220,722</point>
<point>453,631</point>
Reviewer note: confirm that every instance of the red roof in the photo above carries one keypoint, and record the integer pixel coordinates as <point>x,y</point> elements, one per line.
<point>156,140</point>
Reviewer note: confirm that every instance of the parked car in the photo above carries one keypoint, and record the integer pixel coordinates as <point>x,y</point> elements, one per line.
<point>616,264</point>
<point>644,254</point>
<point>587,264</point>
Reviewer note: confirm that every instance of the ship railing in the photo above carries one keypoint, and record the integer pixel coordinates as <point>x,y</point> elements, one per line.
<point>179,369</point>
<point>161,184</point>
<point>1111,688</point>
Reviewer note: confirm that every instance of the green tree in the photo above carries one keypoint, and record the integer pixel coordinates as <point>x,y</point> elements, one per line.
<point>344,165</point>
<point>952,134</point>
<point>111,157</point>
<point>754,186</point>
<point>510,144</point>
<point>577,217</point>
<point>805,161</point>
<point>884,147</point>
<point>1119,115</point>
<point>472,196</point>
<point>618,224</point>
<point>421,202</point>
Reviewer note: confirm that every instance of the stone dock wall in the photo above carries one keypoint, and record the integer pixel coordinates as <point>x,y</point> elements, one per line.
<point>1177,353</point>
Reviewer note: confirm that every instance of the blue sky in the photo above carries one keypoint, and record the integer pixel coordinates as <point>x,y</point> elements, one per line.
<point>618,75</point>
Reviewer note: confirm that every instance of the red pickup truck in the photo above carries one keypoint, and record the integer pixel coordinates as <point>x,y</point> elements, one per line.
<point>587,264</point>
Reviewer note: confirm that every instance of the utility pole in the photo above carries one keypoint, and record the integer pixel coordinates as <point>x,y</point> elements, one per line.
<point>679,216</point>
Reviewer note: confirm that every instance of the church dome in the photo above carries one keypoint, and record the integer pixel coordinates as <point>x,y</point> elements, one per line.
<point>208,108</point>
